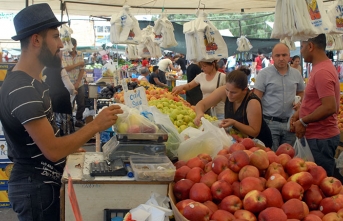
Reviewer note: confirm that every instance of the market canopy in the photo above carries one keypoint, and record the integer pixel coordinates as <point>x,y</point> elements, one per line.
<point>145,7</point>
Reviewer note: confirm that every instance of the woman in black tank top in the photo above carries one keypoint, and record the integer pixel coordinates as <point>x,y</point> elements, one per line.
<point>243,109</point>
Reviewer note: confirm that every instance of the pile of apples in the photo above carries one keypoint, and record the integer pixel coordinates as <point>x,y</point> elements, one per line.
<point>245,182</point>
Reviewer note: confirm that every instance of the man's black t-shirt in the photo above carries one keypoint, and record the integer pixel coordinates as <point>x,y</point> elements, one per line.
<point>182,62</point>
<point>23,99</point>
<point>151,78</point>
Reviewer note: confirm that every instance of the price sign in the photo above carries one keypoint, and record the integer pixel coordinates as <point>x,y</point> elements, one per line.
<point>135,98</point>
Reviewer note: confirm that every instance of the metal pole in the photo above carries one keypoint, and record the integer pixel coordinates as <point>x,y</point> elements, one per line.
<point>26,3</point>
<point>62,9</point>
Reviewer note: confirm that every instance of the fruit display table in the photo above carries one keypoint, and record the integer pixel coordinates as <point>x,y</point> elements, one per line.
<point>94,194</point>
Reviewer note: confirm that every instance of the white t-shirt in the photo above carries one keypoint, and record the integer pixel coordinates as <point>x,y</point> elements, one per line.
<point>207,87</point>
<point>164,64</point>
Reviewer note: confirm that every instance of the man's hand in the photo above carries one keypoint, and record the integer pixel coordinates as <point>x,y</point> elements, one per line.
<point>296,106</point>
<point>107,117</point>
<point>299,129</point>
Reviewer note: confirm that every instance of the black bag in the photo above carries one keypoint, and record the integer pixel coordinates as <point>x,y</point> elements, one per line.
<point>211,110</point>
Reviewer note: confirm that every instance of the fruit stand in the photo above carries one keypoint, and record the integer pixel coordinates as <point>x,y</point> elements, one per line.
<point>95,194</point>
<point>249,183</point>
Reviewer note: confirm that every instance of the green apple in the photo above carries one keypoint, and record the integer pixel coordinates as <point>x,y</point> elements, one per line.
<point>182,127</point>
<point>179,117</point>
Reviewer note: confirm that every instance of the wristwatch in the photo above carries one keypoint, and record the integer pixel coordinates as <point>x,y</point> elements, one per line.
<point>302,122</point>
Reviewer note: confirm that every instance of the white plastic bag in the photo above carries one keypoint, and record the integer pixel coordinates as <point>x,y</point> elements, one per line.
<point>125,28</point>
<point>220,133</point>
<point>297,99</point>
<point>243,44</point>
<point>303,150</point>
<point>190,132</point>
<point>335,16</point>
<point>206,142</point>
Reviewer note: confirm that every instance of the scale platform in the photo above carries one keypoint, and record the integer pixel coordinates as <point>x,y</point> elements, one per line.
<point>122,146</point>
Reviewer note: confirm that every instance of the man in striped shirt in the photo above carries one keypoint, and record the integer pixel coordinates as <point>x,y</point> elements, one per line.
<point>34,145</point>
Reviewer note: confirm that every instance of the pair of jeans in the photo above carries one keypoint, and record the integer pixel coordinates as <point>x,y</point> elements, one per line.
<point>34,200</point>
<point>80,101</point>
<point>280,134</point>
<point>323,151</point>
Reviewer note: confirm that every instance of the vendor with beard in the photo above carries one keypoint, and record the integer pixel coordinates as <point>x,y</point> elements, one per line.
<point>34,145</point>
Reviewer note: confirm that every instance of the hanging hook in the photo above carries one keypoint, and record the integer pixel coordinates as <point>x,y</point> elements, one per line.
<point>204,7</point>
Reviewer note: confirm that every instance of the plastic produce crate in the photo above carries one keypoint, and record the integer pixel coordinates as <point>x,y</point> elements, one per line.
<point>111,213</point>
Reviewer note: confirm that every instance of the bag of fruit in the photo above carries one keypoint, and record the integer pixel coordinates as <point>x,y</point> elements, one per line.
<point>131,121</point>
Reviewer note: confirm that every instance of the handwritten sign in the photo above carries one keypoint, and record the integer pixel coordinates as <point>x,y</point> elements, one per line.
<point>135,98</point>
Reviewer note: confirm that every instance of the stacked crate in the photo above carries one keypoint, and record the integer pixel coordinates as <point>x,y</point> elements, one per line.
<point>5,170</point>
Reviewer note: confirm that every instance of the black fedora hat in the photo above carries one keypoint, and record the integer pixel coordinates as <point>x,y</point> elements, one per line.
<point>33,19</point>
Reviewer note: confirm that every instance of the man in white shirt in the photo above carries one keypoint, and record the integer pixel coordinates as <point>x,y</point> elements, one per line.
<point>163,67</point>
<point>231,63</point>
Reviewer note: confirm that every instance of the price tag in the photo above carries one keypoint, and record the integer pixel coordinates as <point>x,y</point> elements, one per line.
<point>135,98</point>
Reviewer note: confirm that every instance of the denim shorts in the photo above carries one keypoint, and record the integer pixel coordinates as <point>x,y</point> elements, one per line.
<point>34,200</point>
<point>323,152</point>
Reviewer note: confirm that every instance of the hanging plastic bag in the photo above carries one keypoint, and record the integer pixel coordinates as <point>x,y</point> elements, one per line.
<point>164,32</point>
<point>125,28</point>
<point>220,133</point>
<point>335,16</point>
<point>303,150</point>
<point>287,41</point>
<point>243,44</point>
<point>65,34</point>
<point>203,40</point>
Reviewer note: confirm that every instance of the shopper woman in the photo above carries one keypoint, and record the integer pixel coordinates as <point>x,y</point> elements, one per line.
<point>243,109</point>
<point>209,80</point>
<point>295,63</point>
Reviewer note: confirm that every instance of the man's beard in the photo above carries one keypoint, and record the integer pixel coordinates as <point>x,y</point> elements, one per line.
<point>48,59</point>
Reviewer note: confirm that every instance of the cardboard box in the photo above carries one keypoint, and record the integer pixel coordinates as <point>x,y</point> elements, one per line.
<point>4,201</point>
<point>3,150</point>
<point>5,171</point>
<point>177,215</point>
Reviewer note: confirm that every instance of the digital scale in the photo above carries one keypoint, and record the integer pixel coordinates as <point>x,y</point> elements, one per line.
<point>120,147</point>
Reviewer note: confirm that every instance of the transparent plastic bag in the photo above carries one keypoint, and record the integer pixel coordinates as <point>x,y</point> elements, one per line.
<point>131,121</point>
<point>302,149</point>
<point>174,138</point>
